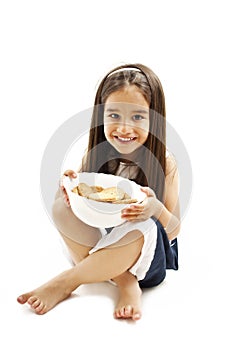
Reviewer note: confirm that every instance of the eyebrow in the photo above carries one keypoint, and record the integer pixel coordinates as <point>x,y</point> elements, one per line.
<point>141,111</point>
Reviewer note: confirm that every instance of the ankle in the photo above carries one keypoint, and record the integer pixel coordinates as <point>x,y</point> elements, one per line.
<point>125,280</point>
<point>68,279</point>
<point>130,286</point>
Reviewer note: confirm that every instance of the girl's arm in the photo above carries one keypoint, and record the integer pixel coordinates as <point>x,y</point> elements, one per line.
<point>71,173</point>
<point>170,211</point>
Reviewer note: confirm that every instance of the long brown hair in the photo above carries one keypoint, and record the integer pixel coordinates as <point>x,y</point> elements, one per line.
<point>102,157</point>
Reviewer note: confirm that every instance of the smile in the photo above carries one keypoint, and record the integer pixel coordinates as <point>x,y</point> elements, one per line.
<point>125,139</point>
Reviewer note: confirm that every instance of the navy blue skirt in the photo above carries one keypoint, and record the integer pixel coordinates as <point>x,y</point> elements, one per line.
<point>165,257</point>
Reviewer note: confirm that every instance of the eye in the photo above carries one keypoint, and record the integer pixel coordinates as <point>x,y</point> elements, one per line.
<point>114,116</point>
<point>138,117</point>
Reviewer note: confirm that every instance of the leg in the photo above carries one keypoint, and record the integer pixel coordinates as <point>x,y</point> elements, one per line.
<point>77,251</point>
<point>94,268</point>
<point>129,304</point>
<point>73,228</point>
<point>78,237</point>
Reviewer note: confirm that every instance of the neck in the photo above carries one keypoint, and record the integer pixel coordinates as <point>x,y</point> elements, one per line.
<point>134,157</point>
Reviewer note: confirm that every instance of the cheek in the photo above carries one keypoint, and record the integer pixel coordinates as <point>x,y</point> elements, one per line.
<point>144,137</point>
<point>107,130</point>
<point>144,132</point>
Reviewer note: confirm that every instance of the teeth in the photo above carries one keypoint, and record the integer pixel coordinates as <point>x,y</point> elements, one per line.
<point>125,138</point>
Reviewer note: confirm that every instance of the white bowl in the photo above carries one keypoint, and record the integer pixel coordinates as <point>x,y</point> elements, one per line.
<point>99,214</point>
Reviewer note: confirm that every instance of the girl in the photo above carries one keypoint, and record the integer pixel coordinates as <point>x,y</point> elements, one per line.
<point>127,138</point>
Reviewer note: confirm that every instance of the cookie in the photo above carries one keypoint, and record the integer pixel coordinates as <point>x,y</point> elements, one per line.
<point>113,195</point>
<point>125,201</point>
<point>97,188</point>
<point>84,190</point>
<point>108,195</point>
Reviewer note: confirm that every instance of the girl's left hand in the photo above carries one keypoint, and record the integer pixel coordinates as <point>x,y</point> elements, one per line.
<point>151,206</point>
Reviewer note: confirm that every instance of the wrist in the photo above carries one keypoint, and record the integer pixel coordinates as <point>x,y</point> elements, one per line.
<point>158,209</point>
<point>170,222</point>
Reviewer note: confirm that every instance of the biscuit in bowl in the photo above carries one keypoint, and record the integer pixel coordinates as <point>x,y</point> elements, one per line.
<point>114,195</point>
<point>98,199</point>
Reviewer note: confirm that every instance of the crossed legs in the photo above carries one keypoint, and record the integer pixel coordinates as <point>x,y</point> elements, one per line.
<point>91,269</point>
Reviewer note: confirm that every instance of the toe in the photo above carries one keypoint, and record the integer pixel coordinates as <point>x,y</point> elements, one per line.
<point>36,303</point>
<point>22,299</point>
<point>136,315</point>
<point>128,311</point>
<point>41,309</point>
<point>122,312</point>
<point>32,300</point>
<point>117,314</point>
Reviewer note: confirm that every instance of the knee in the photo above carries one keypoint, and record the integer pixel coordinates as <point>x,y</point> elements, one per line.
<point>59,211</point>
<point>135,237</point>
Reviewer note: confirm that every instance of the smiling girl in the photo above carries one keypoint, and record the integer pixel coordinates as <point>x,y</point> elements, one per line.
<point>127,138</point>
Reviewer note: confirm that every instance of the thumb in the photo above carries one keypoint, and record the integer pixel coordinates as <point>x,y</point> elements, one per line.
<point>148,191</point>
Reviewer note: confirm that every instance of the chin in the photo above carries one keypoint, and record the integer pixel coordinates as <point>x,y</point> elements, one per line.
<point>131,155</point>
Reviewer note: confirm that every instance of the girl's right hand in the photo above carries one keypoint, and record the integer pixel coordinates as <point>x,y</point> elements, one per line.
<point>72,174</point>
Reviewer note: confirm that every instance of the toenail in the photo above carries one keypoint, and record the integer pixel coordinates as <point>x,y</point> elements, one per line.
<point>137,316</point>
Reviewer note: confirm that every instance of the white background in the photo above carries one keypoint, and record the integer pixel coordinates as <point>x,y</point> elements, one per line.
<point>53,54</point>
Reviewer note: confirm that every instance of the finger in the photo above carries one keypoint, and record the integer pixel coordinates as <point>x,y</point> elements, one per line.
<point>136,207</point>
<point>148,191</point>
<point>67,202</point>
<point>131,215</point>
<point>70,173</point>
<point>133,210</point>
<point>134,218</point>
<point>63,192</point>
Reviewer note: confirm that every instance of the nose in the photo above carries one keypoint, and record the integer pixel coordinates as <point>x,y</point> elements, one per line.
<point>124,128</point>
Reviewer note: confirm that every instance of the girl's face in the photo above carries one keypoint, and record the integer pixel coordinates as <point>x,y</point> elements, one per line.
<point>126,119</point>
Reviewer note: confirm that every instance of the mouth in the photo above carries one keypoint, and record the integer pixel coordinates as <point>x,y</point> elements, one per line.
<point>124,140</point>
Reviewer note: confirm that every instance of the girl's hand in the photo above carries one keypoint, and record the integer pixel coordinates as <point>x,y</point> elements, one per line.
<point>72,175</point>
<point>151,206</point>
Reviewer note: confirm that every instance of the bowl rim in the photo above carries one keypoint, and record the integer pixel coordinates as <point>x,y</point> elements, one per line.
<point>111,218</point>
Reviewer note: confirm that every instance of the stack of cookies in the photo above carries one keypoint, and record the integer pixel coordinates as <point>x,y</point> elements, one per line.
<point>113,195</point>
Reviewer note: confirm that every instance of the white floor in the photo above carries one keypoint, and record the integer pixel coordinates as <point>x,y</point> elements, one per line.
<point>189,310</point>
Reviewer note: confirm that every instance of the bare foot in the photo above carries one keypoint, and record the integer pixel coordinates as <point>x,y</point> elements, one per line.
<point>44,298</point>
<point>129,304</point>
